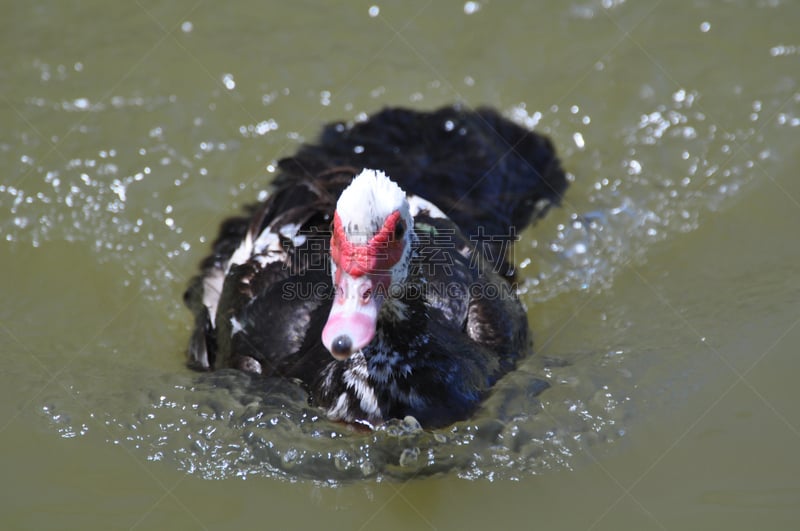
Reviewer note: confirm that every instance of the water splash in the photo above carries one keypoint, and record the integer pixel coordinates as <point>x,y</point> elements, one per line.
<point>676,165</point>
<point>225,425</point>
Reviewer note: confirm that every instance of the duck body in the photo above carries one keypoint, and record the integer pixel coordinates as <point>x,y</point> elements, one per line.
<point>376,272</point>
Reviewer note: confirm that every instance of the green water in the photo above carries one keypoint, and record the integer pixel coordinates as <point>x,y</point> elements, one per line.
<point>664,295</point>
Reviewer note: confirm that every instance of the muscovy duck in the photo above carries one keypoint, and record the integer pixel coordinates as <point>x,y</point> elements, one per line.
<point>376,272</point>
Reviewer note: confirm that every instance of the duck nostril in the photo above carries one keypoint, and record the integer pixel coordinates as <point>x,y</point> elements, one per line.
<point>342,346</point>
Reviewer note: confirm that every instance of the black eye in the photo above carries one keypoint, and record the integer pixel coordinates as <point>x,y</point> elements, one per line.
<point>399,230</point>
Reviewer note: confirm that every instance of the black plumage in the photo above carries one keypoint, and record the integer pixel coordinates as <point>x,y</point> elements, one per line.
<point>462,326</point>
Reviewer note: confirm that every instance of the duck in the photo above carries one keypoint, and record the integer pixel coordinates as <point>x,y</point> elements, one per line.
<point>377,273</point>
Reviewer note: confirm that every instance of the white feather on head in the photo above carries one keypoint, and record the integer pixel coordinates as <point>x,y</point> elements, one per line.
<point>366,203</point>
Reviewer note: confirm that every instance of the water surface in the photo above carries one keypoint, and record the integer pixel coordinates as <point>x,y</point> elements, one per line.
<point>663,294</point>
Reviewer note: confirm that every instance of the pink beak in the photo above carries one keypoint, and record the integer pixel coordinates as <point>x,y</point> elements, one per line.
<point>354,314</point>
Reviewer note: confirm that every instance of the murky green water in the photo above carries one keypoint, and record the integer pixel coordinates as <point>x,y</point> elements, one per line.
<point>664,295</point>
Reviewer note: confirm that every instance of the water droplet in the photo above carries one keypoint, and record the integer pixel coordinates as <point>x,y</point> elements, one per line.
<point>228,81</point>
<point>471,8</point>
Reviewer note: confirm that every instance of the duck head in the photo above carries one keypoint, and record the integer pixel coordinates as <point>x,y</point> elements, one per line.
<point>370,254</point>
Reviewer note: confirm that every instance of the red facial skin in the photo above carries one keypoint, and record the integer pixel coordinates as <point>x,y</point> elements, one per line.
<point>377,256</point>
<point>363,275</point>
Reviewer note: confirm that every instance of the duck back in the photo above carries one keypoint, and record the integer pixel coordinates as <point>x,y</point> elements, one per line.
<point>484,172</point>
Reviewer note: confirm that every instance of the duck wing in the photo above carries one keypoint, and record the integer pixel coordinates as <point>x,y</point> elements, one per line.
<point>260,269</point>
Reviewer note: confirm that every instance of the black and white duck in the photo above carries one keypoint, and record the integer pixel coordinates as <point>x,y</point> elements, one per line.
<point>376,272</point>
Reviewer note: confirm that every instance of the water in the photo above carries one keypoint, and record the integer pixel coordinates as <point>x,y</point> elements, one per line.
<point>663,294</point>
